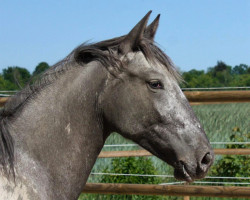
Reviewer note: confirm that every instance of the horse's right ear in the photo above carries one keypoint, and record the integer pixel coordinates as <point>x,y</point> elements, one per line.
<point>133,38</point>
<point>151,29</point>
<point>85,56</point>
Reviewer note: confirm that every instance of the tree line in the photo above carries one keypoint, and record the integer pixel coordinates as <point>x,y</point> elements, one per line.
<point>15,78</point>
<point>220,75</point>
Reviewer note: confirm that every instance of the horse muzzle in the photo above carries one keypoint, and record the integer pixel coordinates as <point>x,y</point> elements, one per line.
<point>187,171</point>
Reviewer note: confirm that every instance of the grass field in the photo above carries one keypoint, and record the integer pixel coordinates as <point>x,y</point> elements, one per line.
<point>219,121</point>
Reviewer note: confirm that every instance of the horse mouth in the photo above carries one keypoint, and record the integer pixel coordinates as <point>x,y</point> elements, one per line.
<point>182,174</point>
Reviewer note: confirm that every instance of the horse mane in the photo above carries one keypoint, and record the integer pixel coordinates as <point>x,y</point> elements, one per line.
<point>148,47</point>
<point>6,149</point>
<point>105,52</point>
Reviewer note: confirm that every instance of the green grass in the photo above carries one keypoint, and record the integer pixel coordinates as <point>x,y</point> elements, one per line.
<point>218,121</point>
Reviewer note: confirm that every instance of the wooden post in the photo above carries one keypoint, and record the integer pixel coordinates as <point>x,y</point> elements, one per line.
<point>186,197</point>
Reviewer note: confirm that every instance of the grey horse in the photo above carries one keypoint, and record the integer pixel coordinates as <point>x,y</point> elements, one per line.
<point>52,131</point>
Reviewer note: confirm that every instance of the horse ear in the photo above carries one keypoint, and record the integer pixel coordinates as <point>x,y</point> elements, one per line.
<point>151,29</point>
<point>133,38</point>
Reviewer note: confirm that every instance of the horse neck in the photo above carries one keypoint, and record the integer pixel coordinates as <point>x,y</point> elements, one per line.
<point>59,128</point>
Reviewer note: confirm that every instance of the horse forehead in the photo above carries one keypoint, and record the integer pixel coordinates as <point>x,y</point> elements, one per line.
<point>139,61</point>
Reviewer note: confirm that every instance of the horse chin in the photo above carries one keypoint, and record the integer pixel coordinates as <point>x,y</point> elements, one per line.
<point>180,172</point>
<point>182,175</point>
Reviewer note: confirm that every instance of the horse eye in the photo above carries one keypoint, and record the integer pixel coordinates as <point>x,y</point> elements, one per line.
<point>156,85</point>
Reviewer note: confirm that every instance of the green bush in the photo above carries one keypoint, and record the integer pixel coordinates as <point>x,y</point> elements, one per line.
<point>233,165</point>
<point>129,165</point>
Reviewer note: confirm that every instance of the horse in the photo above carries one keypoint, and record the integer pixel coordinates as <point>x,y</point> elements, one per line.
<point>53,130</point>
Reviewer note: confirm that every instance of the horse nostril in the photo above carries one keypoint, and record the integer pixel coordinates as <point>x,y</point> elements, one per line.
<point>206,159</point>
<point>204,164</point>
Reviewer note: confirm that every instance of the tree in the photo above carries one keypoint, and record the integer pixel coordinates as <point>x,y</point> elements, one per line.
<point>241,80</point>
<point>241,69</point>
<point>220,67</point>
<point>41,67</point>
<point>221,75</point>
<point>222,72</point>
<point>17,76</point>
<point>6,85</point>
<point>195,78</point>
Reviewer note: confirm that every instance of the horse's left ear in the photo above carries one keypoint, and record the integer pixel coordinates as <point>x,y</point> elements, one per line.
<point>133,38</point>
<point>151,29</point>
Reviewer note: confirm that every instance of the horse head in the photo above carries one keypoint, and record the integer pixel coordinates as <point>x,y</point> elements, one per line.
<point>142,101</point>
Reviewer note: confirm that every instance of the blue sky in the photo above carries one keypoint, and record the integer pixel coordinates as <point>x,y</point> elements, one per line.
<point>195,34</point>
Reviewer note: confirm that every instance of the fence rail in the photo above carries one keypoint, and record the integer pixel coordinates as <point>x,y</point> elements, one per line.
<point>203,97</point>
<point>134,153</point>
<point>170,190</point>
<point>207,97</point>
